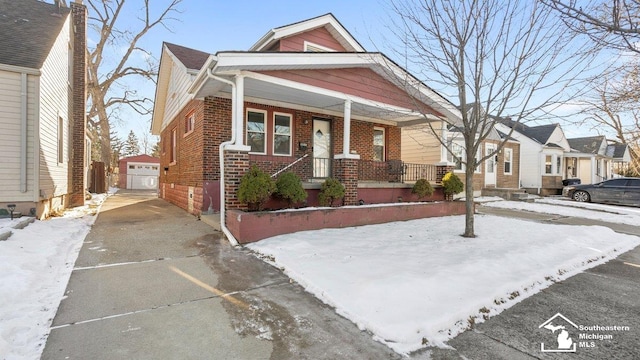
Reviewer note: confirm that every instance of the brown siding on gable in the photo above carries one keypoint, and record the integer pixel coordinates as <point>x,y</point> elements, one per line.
<point>360,82</point>
<point>319,36</point>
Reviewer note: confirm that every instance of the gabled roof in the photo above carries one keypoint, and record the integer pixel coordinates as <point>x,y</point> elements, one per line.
<point>190,58</point>
<point>328,21</point>
<point>28,29</point>
<point>587,145</point>
<point>617,151</point>
<point>540,133</point>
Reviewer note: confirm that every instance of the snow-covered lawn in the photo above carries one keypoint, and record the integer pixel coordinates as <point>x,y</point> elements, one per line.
<point>608,213</point>
<point>35,266</point>
<point>419,283</point>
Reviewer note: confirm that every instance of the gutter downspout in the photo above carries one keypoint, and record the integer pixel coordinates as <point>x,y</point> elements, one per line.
<point>223,225</point>
<point>23,132</point>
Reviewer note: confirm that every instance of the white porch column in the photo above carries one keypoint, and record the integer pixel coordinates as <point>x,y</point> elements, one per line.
<point>594,171</point>
<point>346,135</point>
<point>239,110</point>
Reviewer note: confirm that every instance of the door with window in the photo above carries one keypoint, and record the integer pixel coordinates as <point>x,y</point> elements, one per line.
<point>321,148</point>
<point>490,165</point>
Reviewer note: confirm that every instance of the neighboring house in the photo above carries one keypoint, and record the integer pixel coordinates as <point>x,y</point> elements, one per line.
<point>140,172</point>
<point>306,97</point>
<point>542,150</point>
<point>421,146</point>
<point>42,95</point>
<point>620,158</point>
<point>589,159</point>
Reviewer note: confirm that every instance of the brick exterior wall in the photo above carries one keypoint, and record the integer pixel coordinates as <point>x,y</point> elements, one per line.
<point>346,171</point>
<point>197,162</point>
<point>236,164</point>
<point>78,121</point>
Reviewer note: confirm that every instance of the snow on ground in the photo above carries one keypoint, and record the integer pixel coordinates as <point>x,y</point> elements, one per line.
<point>608,213</point>
<point>35,266</point>
<point>418,282</point>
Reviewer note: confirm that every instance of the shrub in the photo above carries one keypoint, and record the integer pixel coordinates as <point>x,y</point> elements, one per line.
<point>256,187</point>
<point>331,190</point>
<point>422,188</point>
<point>289,187</point>
<point>452,185</point>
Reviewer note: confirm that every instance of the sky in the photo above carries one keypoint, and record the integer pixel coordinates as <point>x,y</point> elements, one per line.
<point>213,26</point>
<point>36,263</point>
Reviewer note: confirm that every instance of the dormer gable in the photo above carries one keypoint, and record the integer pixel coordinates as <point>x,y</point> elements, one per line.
<point>322,33</point>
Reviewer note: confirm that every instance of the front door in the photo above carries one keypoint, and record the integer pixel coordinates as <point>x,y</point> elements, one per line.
<point>490,166</point>
<point>321,148</point>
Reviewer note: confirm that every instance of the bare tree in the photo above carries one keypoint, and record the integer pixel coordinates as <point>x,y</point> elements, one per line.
<point>106,85</point>
<point>610,23</point>
<point>497,58</point>
<point>613,109</point>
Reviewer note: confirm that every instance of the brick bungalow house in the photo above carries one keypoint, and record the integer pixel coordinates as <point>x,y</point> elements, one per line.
<point>43,106</point>
<point>306,97</point>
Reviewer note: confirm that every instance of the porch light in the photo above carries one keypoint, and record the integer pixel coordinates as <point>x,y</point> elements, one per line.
<point>12,208</point>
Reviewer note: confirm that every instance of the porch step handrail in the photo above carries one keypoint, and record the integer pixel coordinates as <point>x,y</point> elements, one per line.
<point>290,165</point>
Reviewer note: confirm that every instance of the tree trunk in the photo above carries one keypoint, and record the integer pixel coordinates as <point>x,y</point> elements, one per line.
<point>469,204</point>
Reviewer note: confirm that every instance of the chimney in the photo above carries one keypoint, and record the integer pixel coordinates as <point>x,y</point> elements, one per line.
<point>78,122</point>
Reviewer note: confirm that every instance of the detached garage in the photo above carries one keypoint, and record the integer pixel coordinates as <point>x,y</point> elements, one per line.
<point>139,172</point>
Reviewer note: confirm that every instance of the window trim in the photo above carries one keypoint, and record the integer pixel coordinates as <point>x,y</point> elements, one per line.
<point>273,133</point>
<point>246,125</point>
<point>550,172</point>
<point>189,122</point>
<point>384,142</point>
<point>60,140</point>
<point>308,44</point>
<point>173,156</point>
<point>508,160</point>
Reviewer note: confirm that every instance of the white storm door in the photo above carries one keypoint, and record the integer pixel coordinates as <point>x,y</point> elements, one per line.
<point>490,166</point>
<point>321,148</point>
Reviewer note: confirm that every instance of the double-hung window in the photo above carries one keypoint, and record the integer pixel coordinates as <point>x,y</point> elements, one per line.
<point>282,134</point>
<point>548,164</point>
<point>256,130</point>
<point>456,155</point>
<point>508,159</point>
<point>174,146</point>
<point>189,122</point>
<point>378,144</point>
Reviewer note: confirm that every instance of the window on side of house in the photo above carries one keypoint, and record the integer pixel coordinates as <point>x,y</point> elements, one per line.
<point>548,164</point>
<point>379,141</point>
<point>189,122</point>
<point>174,147</point>
<point>282,134</point>
<point>558,165</point>
<point>256,131</point>
<point>508,158</point>
<point>60,140</point>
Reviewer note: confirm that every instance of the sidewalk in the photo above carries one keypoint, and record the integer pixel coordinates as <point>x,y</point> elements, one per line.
<point>152,282</point>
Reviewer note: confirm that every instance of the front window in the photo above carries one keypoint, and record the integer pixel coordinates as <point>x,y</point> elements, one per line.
<point>378,144</point>
<point>256,131</point>
<point>508,158</point>
<point>558,165</point>
<point>282,134</point>
<point>548,164</point>
<point>455,156</point>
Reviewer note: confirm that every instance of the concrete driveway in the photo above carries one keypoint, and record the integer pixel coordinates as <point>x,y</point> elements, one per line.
<point>152,282</point>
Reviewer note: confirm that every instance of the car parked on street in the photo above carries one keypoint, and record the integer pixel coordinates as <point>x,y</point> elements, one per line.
<point>624,191</point>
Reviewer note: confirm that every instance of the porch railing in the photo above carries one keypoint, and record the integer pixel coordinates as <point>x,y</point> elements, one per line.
<point>394,171</point>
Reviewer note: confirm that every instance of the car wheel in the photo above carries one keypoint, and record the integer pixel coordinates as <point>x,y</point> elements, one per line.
<point>581,196</point>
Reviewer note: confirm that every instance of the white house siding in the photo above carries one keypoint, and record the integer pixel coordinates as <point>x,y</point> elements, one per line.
<point>54,100</point>
<point>420,146</point>
<point>178,95</point>
<point>10,137</point>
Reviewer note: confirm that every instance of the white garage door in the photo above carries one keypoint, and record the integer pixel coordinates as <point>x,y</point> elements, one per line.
<point>142,176</point>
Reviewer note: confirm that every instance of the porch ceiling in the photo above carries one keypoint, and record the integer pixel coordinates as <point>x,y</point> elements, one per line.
<point>304,97</point>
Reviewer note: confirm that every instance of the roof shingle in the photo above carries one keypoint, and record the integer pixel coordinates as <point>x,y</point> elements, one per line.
<point>28,29</point>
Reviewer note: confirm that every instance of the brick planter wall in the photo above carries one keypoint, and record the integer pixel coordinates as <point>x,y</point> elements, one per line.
<point>248,227</point>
